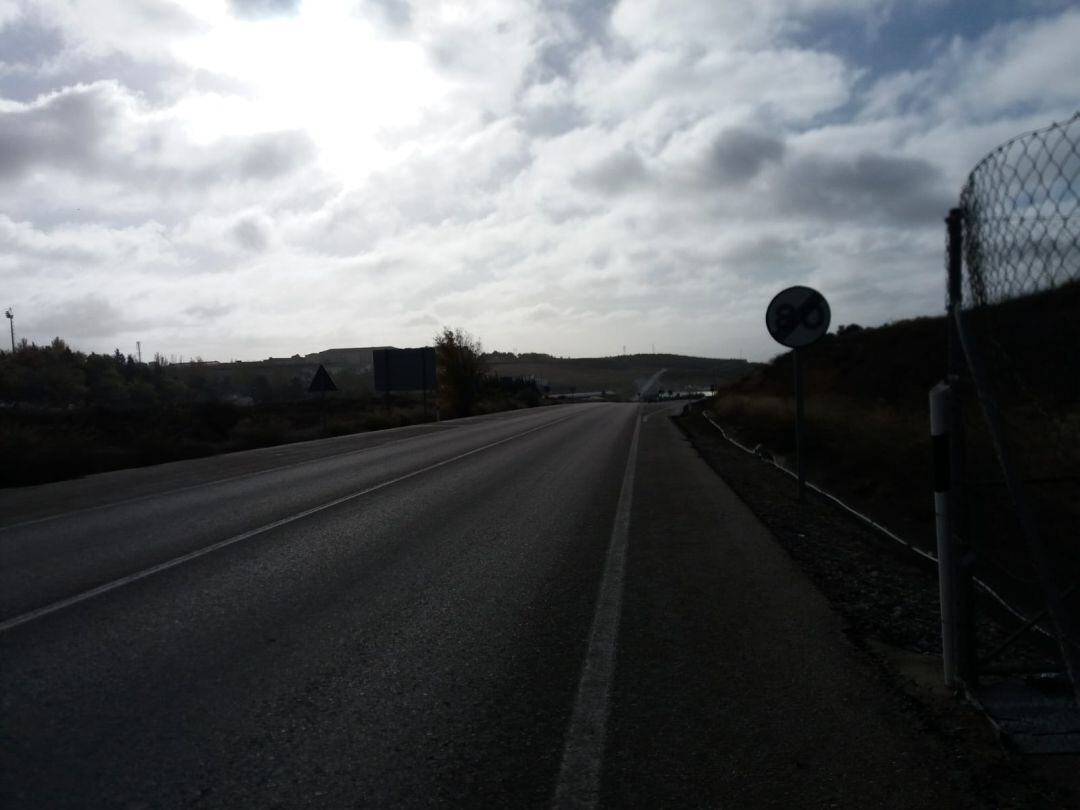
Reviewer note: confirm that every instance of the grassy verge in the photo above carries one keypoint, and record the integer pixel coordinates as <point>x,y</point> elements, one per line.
<point>875,456</point>
<point>51,444</point>
<point>867,431</point>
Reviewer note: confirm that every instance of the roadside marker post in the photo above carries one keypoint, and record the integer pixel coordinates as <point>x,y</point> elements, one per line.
<point>798,317</point>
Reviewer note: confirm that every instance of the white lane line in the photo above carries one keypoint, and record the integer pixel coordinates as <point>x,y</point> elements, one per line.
<point>667,410</point>
<point>578,785</point>
<point>38,613</point>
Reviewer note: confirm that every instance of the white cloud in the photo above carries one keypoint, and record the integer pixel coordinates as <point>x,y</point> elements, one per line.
<point>246,178</point>
<point>721,26</point>
<point>1017,66</point>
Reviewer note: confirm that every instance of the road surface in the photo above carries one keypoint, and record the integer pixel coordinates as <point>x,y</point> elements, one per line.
<point>561,607</point>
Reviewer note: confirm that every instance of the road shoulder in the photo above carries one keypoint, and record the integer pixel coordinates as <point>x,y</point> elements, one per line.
<point>887,601</point>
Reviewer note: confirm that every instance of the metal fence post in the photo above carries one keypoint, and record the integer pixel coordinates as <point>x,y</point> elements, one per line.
<point>962,555</point>
<point>940,414</point>
<point>954,287</point>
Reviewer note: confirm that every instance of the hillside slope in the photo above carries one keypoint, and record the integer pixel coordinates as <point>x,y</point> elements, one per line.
<point>867,425</point>
<point>622,375</point>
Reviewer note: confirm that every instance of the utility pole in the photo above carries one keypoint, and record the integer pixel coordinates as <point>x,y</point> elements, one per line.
<point>10,313</point>
<point>138,350</point>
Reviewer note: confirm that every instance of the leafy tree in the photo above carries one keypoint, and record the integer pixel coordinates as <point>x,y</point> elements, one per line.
<point>461,369</point>
<point>105,382</point>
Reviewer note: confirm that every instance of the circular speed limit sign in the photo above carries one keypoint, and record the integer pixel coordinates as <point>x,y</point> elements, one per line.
<point>797,317</point>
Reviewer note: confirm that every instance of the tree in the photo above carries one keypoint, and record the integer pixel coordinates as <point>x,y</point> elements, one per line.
<point>461,368</point>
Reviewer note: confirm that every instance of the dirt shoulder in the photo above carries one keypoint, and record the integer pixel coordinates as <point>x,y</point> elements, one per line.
<point>887,596</point>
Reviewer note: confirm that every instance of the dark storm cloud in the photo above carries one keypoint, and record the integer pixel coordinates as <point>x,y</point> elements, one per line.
<point>154,80</point>
<point>591,17</point>
<point>251,235</point>
<point>29,42</point>
<point>28,50</point>
<point>617,173</point>
<point>78,131</point>
<point>587,24</point>
<point>765,259</point>
<point>270,155</point>
<point>737,155</point>
<point>66,130</point>
<point>208,312</point>
<point>260,158</point>
<point>900,189</point>
<point>39,55</point>
<point>84,318</point>
<point>263,9</point>
<point>551,120</point>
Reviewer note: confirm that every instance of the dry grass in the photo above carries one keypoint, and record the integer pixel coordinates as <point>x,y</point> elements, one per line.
<point>867,433</point>
<point>873,454</point>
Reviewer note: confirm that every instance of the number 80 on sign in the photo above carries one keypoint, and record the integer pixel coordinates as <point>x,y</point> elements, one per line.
<point>797,317</point>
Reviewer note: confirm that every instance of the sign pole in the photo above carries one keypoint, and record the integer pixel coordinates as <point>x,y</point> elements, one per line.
<point>800,473</point>
<point>321,383</point>
<point>798,317</point>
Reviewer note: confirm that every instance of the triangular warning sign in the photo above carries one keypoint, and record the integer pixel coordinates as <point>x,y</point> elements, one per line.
<point>321,382</point>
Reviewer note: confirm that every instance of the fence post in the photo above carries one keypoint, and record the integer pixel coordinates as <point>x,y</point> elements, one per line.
<point>961,552</point>
<point>940,414</point>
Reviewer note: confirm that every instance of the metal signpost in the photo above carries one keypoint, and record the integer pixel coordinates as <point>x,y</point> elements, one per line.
<point>798,317</point>
<point>322,384</point>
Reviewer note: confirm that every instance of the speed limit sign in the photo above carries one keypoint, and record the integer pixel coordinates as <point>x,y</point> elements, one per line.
<point>797,317</point>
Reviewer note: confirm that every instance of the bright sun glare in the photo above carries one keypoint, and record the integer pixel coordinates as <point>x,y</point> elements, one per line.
<point>324,71</point>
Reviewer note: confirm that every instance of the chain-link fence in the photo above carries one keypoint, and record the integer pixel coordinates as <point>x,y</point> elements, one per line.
<point>1015,302</point>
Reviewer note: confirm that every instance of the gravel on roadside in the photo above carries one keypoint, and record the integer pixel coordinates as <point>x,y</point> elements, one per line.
<point>888,597</point>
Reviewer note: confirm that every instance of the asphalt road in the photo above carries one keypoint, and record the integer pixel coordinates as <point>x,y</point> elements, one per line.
<point>557,607</point>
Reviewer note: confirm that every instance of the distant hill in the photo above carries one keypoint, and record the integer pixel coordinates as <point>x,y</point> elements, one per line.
<point>622,375</point>
<point>1029,346</point>
<point>356,359</point>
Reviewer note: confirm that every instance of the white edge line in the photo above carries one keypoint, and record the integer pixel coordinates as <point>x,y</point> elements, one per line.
<point>662,411</point>
<point>578,784</point>
<point>24,618</point>
<point>989,591</point>
<point>254,473</point>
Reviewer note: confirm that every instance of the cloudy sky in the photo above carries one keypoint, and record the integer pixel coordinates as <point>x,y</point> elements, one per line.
<point>248,178</point>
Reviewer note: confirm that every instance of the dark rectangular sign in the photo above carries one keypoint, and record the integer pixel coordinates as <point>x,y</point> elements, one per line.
<point>404,369</point>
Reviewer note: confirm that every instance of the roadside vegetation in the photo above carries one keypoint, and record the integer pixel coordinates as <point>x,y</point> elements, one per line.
<point>866,415</point>
<point>64,413</point>
<point>867,425</point>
